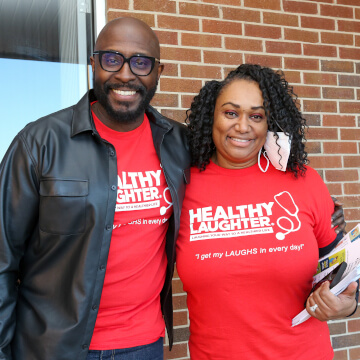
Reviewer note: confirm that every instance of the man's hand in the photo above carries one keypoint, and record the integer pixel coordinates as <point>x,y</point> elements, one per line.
<point>323,305</point>
<point>337,218</point>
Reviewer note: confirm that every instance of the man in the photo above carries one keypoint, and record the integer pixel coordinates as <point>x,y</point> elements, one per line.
<point>88,196</point>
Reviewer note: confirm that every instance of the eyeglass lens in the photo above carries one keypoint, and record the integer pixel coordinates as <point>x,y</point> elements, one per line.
<point>139,65</point>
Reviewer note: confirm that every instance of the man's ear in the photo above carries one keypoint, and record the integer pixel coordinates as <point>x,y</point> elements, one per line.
<point>92,63</point>
<point>160,70</point>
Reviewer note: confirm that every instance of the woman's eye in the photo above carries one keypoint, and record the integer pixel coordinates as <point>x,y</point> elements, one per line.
<point>230,114</point>
<point>257,117</point>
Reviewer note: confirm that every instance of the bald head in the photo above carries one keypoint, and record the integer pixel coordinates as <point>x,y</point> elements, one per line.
<point>131,29</point>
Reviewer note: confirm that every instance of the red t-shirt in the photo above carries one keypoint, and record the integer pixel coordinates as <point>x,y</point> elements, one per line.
<point>130,313</point>
<point>246,253</point>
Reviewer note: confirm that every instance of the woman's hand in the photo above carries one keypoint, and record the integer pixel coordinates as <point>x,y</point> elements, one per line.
<point>323,305</point>
<point>337,218</point>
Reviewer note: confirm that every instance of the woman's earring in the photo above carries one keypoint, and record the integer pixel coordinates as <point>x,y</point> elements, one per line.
<point>267,159</point>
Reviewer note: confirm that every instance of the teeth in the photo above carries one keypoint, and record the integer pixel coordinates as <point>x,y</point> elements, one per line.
<point>239,140</point>
<point>124,92</point>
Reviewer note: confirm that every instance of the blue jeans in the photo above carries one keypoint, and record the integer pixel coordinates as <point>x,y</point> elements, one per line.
<point>152,351</point>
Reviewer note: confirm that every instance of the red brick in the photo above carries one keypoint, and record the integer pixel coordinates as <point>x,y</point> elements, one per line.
<point>118,4</point>
<point>170,69</point>
<point>341,175</point>
<point>350,108</point>
<point>357,65</point>
<point>307,91</point>
<point>264,60</point>
<point>221,27</point>
<point>313,147</point>
<point>317,23</point>
<point>241,15</point>
<point>301,35</point>
<point>180,318</point>
<point>337,66</point>
<point>357,13</point>
<point>352,161</point>
<point>349,80</point>
<point>180,85</point>
<point>320,79</point>
<point>292,76</point>
<point>195,9</point>
<point>200,40</point>
<point>340,148</point>
<point>334,189</point>
<point>358,94</point>
<point>242,44</point>
<point>352,188</point>
<point>301,64</point>
<point>202,72</point>
<point>165,100</point>
<point>177,115</point>
<point>348,26</point>
<point>277,47</point>
<point>340,355</point>
<point>349,202</point>
<point>348,2</point>
<point>319,106</point>
<point>320,50</point>
<point>186,101</point>
<point>177,22</point>
<point>172,53</point>
<point>178,351</point>
<point>336,11</point>
<point>325,162</point>
<point>349,53</point>
<point>312,119</point>
<point>163,6</point>
<point>221,57</point>
<point>350,134</point>
<point>339,120</point>
<point>319,133</point>
<point>354,353</point>
<point>167,37</point>
<point>179,302</point>
<point>352,214</point>
<point>337,38</point>
<point>338,93</point>
<point>266,32</point>
<point>300,7</point>
<point>147,18</point>
<point>263,4</point>
<point>324,1</point>
<point>225,2</point>
<point>280,19</point>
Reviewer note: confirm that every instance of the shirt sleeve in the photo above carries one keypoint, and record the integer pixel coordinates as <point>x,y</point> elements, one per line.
<point>322,207</point>
<point>18,216</point>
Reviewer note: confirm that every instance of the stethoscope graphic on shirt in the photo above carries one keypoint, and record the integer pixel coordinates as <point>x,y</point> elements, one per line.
<point>164,208</point>
<point>292,212</point>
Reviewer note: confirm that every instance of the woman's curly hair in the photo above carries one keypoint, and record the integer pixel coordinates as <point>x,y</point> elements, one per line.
<point>281,110</point>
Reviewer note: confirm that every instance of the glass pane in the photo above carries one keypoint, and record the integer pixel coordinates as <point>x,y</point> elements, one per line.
<point>44,50</point>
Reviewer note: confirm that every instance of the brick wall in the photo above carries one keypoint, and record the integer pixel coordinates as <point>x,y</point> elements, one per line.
<point>315,42</point>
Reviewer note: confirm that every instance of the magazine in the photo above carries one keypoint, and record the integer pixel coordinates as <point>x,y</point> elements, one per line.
<point>346,251</point>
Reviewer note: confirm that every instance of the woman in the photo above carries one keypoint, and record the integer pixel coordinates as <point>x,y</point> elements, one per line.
<point>251,233</point>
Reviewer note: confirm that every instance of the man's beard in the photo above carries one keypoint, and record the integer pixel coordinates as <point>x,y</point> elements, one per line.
<point>124,116</point>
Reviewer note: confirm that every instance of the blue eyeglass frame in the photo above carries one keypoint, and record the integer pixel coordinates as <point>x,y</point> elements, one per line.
<point>126,60</point>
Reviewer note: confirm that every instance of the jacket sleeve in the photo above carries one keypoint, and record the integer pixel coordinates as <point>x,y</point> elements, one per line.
<point>19,203</point>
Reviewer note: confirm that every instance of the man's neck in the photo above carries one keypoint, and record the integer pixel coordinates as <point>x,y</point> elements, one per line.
<point>113,124</point>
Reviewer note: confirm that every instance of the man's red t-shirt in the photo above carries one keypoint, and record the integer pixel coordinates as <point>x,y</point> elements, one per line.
<point>130,313</point>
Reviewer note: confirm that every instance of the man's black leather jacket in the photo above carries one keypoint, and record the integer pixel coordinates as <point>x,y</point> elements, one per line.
<point>58,184</point>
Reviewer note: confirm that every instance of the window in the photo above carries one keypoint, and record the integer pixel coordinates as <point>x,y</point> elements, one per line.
<point>45,47</point>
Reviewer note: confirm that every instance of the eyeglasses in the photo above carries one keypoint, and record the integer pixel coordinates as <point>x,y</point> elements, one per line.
<point>113,61</point>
